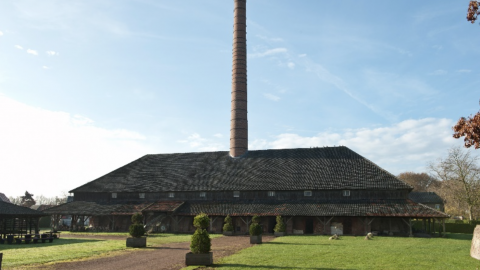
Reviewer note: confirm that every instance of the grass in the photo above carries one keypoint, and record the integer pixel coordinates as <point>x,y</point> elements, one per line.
<point>68,249</point>
<point>317,252</point>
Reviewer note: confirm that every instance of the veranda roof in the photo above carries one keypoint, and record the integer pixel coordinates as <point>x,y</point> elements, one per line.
<point>12,210</point>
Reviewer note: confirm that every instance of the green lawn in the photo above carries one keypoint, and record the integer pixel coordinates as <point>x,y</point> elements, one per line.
<point>67,249</point>
<point>317,252</point>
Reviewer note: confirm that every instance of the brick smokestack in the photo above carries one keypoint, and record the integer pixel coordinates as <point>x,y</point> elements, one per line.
<point>239,122</point>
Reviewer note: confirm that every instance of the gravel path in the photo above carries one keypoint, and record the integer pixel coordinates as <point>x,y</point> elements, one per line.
<point>168,256</point>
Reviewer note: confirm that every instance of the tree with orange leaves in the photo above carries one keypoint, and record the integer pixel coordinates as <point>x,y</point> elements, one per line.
<point>473,12</point>
<point>470,128</point>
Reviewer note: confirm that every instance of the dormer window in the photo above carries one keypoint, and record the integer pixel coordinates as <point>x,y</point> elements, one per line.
<point>437,206</point>
<point>307,193</point>
<point>271,193</point>
<point>236,194</point>
<point>346,193</point>
<point>171,195</point>
<point>114,195</point>
<point>203,194</point>
<point>141,195</point>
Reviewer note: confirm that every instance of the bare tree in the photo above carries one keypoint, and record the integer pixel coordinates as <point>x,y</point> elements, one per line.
<point>421,182</point>
<point>15,200</point>
<point>460,176</point>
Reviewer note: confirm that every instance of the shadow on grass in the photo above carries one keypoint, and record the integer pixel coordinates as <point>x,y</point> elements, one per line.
<point>56,242</point>
<point>246,266</point>
<point>161,247</point>
<point>459,236</point>
<point>292,244</point>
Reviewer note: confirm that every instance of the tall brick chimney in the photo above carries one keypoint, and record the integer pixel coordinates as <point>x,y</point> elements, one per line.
<point>239,122</point>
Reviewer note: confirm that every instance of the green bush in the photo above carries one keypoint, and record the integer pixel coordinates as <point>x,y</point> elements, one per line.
<point>280,226</point>
<point>136,230</point>
<point>255,228</point>
<point>201,221</point>
<point>137,218</point>
<point>459,228</point>
<point>200,242</point>
<point>228,226</point>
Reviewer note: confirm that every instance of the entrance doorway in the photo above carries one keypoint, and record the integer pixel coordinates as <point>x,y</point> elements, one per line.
<point>309,225</point>
<point>271,224</point>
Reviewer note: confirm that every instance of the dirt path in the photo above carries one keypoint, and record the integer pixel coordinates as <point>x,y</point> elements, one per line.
<point>168,256</point>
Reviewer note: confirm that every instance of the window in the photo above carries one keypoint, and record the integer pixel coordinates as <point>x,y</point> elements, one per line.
<point>203,194</point>
<point>236,194</point>
<point>346,193</point>
<point>307,193</point>
<point>171,195</point>
<point>141,195</point>
<point>437,206</point>
<point>114,195</point>
<point>271,193</point>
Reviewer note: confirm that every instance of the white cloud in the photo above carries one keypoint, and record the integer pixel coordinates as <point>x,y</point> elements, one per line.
<point>271,97</point>
<point>19,47</point>
<point>197,142</point>
<point>30,51</point>
<point>268,52</point>
<point>464,71</point>
<point>302,55</point>
<point>405,146</point>
<point>291,65</point>
<point>52,53</point>
<point>438,72</point>
<point>45,67</point>
<point>63,150</point>
<point>218,135</point>
<point>1,33</point>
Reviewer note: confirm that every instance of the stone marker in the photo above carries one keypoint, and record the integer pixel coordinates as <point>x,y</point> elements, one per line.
<point>475,250</point>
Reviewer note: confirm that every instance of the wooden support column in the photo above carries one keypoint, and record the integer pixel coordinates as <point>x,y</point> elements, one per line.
<point>443,223</point>
<point>211,223</point>
<point>434,231</point>
<point>409,224</point>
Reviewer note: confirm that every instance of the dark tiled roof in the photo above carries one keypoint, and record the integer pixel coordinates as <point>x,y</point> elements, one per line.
<point>98,208</point>
<point>10,209</point>
<point>425,197</point>
<point>4,198</point>
<point>379,208</point>
<point>283,169</point>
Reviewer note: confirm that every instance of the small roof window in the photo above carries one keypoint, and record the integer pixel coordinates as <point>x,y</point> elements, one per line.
<point>307,193</point>
<point>236,194</point>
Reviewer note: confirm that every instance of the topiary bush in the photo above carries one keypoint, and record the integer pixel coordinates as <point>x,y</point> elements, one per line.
<point>255,228</point>
<point>136,229</point>
<point>201,239</point>
<point>228,226</point>
<point>280,226</point>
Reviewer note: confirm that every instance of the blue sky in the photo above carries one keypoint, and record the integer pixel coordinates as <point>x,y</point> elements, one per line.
<point>88,86</point>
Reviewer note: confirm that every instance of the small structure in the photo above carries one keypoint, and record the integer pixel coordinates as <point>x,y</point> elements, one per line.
<point>16,219</point>
<point>430,199</point>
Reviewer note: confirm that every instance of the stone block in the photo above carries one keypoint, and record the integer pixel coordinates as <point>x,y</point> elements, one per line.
<point>475,249</point>
<point>199,259</point>
<point>137,242</point>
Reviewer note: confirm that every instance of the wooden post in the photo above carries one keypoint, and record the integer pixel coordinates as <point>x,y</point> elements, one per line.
<point>433,225</point>
<point>443,221</point>
<point>411,231</point>
<point>429,226</point>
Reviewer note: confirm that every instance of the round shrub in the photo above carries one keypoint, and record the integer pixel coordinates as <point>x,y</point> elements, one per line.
<point>200,242</point>
<point>137,218</point>
<point>280,226</point>
<point>228,226</point>
<point>255,229</point>
<point>201,221</point>
<point>136,230</point>
<point>255,219</point>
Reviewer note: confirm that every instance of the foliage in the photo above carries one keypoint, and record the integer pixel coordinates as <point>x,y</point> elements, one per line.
<point>314,252</point>
<point>137,229</point>
<point>280,226</point>
<point>200,242</point>
<point>137,218</point>
<point>255,228</point>
<point>27,200</point>
<point>228,226</point>
<point>472,12</point>
<point>470,128</point>
<point>460,186</point>
<point>421,182</point>
<point>201,221</point>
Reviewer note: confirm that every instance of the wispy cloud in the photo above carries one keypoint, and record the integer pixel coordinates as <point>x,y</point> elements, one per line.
<point>52,53</point>
<point>268,52</point>
<point>270,39</point>
<point>271,97</point>
<point>33,52</point>
<point>19,47</point>
<point>387,146</point>
<point>197,142</point>
<point>45,67</point>
<point>438,72</point>
<point>1,33</point>
<point>291,65</point>
<point>464,71</point>
<point>302,55</point>
<point>218,135</point>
